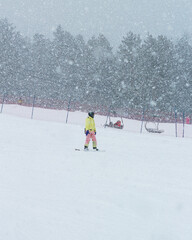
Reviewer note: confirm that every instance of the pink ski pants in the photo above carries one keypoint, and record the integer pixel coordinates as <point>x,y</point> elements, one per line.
<point>90,136</point>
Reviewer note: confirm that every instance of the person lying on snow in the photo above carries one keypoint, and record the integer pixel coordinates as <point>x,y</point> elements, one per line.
<point>118,124</point>
<point>90,131</point>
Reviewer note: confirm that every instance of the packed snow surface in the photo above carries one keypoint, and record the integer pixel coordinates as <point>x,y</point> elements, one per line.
<point>140,188</point>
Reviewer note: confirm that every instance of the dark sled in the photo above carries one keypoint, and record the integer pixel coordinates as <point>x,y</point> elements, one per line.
<point>155,129</point>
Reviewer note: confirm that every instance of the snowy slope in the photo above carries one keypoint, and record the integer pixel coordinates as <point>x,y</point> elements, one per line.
<point>139,189</point>
<point>79,119</point>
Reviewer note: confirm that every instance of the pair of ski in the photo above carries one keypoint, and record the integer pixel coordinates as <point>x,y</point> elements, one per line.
<point>89,150</point>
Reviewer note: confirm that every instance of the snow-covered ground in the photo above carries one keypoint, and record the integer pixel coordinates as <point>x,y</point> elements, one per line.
<point>79,119</point>
<point>140,188</point>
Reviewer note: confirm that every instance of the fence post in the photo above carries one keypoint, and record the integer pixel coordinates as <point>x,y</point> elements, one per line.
<point>108,116</point>
<point>175,123</point>
<point>68,108</point>
<point>183,124</point>
<point>33,107</point>
<point>2,103</point>
<point>142,120</point>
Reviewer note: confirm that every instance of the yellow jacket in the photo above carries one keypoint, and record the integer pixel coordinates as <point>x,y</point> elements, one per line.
<point>90,124</point>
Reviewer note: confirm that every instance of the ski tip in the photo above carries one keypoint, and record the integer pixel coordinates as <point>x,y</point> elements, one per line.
<point>89,150</point>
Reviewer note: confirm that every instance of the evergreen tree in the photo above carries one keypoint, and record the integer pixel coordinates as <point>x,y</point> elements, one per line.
<point>128,73</point>
<point>11,48</point>
<point>157,65</point>
<point>182,83</point>
<point>101,72</point>
<point>41,67</point>
<point>67,56</point>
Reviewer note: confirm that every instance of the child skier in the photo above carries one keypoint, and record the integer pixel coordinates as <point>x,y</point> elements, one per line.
<point>90,131</point>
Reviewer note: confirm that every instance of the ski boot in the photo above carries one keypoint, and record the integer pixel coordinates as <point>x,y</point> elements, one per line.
<point>86,148</point>
<point>95,149</point>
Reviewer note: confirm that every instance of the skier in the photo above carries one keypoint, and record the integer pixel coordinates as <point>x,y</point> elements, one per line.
<point>90,131</point>
<point>20,101</point>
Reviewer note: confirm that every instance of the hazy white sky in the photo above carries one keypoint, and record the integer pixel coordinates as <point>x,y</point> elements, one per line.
<point>113,18</point>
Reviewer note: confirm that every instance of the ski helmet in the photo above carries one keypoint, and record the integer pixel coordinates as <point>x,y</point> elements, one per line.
<point>91,114</point>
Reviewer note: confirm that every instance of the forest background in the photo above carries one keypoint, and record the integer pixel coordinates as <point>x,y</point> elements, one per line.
<point>153,74</point>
